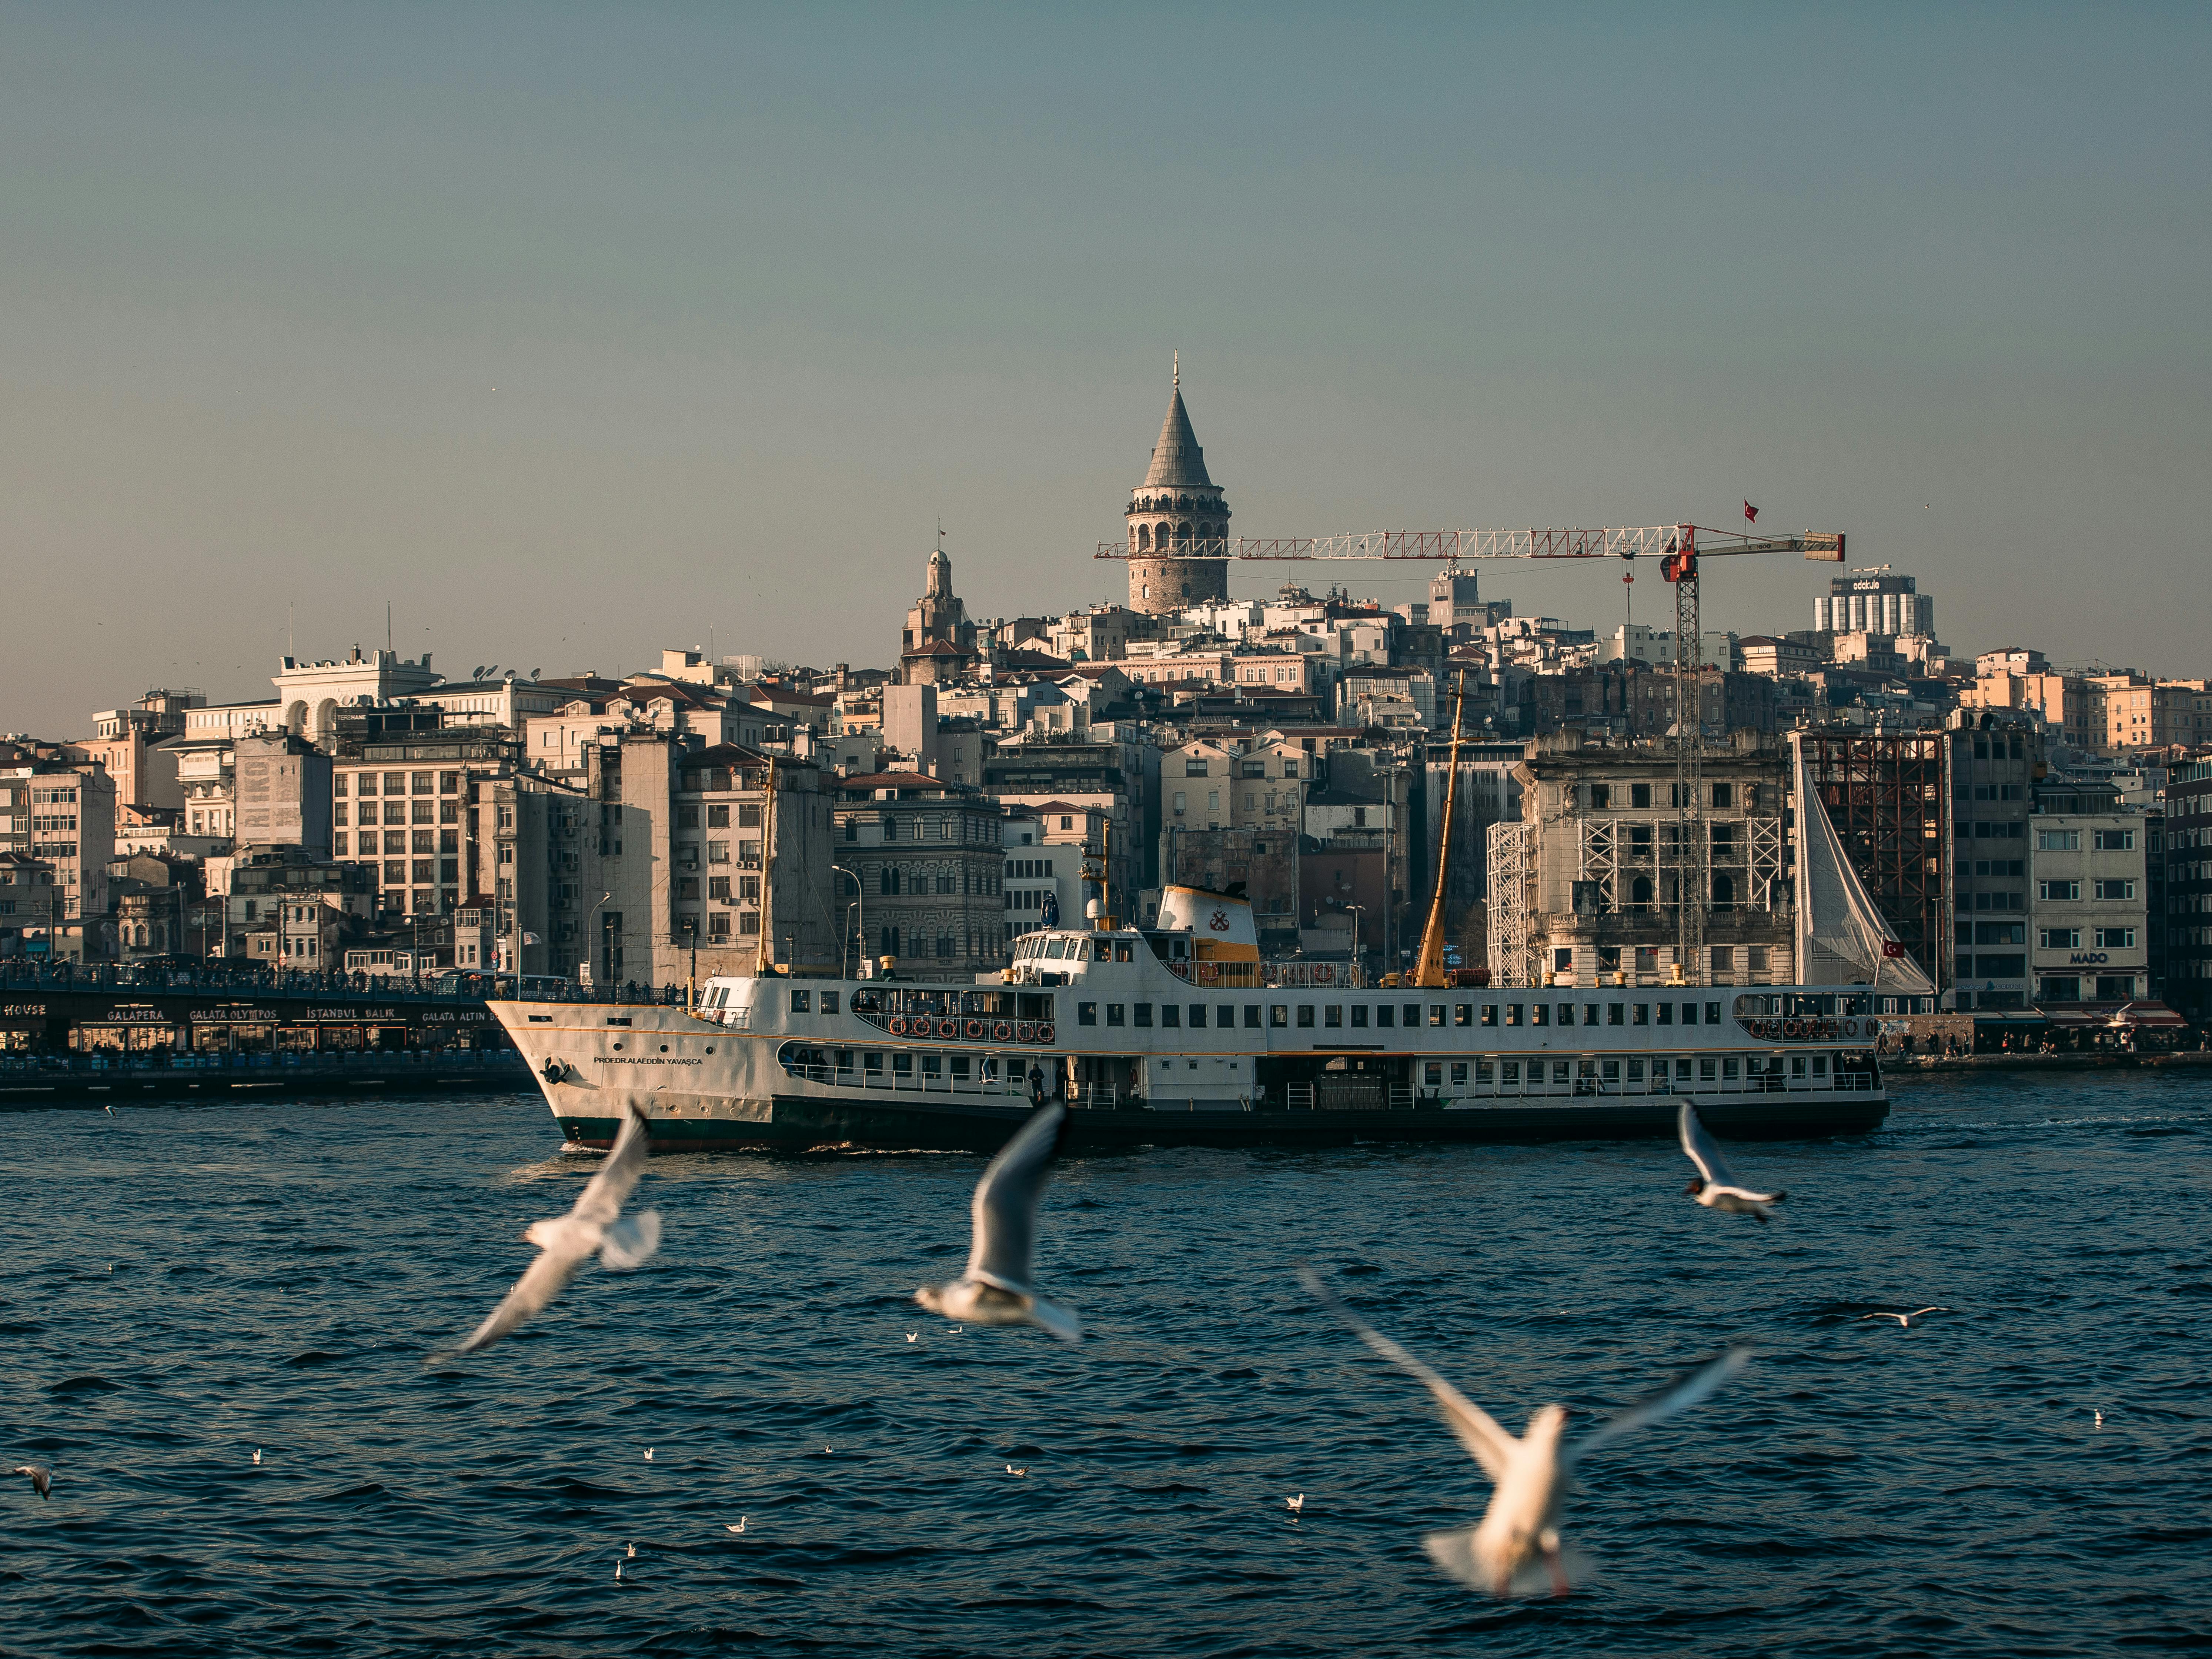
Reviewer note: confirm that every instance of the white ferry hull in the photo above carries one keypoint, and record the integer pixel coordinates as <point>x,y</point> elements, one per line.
<point>759,1074</point>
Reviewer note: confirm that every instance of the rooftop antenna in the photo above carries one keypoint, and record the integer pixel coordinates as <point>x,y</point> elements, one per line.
<point>291,649</point>
<point>387,625</point>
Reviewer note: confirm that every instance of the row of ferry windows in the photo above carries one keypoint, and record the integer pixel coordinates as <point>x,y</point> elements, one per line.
<point>1389,1015</point>
<point>1722,1070</point>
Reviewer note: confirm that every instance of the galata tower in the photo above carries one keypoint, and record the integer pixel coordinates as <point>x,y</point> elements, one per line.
<point>1178,522</point>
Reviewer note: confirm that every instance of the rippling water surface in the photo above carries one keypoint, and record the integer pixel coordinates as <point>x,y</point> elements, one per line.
<point>185,1286</point>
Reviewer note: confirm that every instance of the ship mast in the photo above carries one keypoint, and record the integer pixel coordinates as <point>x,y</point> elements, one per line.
<point>1429,966</point>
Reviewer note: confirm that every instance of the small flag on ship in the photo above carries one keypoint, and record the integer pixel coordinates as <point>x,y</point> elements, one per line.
<point>1750,513</point>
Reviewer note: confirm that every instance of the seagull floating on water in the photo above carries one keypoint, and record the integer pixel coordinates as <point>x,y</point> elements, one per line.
<point>1515,1550</point>
<point>996,1289</point>
<point>2099,1423</point>
<point>257,1455</point>
<point>740,1526</point>
<point>563,1241</point>
<point>1905,1320</point>
<point>619,1572</point>
<point>633,1553</point>
<point>913,1335</point>
<point>1296,1506</point>
<point>1715,1186</point>
<point>42,1478</point>
<point>648,1454</point>
<point>1011,1469</point>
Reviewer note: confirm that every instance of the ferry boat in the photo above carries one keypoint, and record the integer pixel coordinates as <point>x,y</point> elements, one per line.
<point>1178,1035</point>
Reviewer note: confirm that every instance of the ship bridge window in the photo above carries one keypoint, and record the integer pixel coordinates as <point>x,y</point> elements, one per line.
<point>1332,1016</point>
<point>1279,1014</point>
<point>1385,1014</point>
<point>1712,1013</point>
<point>1140,1013</point>
<point>1359,1013</point>
<point>1197,1017</point>
<point>1170,1015</point>
<point>1666,1013</point>
<point>1306,1015</point>
<point>1643,1014</point>
<point>1614,1012</point>
<point>1086,1014</point>
<point>801,1001</point>
<point>1540,1013</point>
<point>1490,1013</point>
<point>1463,1013</point>
<point>1114,1014</point>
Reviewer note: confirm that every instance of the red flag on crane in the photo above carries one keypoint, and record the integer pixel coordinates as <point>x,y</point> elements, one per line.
<point>1750,512</point>
<point>1891,949</point>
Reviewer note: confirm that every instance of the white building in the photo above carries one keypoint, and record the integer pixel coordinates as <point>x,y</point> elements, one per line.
<point>1874,600</point>
<point>2088,925</point>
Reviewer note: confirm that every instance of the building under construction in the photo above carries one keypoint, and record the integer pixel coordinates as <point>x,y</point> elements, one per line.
<point>1888,796</point>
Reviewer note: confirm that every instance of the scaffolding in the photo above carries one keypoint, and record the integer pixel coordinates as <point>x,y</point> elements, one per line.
<point>1512,897</point>
<point>1885,796</point>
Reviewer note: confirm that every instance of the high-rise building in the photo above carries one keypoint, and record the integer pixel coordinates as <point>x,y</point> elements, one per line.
<point>1178,523</point>
<point>1873,600</point>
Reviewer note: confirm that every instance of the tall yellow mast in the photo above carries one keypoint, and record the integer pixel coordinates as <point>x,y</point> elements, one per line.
<point>1429,966</point>
<point>764,953</point>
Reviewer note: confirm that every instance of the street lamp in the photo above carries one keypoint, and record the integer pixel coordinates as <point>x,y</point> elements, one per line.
<point>860,935</point>
<point>1358,911</point>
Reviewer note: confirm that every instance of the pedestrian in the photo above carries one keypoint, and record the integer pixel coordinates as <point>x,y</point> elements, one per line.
<point>1036,1085</point>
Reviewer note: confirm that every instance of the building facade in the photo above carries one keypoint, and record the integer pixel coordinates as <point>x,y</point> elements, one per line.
<point>1874,600</point>
<point>2089,921</point>
<point>1995,761</point>
<point>923,861</point>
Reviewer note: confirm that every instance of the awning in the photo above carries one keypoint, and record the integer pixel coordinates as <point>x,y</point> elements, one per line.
<point>2148,1014</point>
<point>2076,1019</point>
<point>2011,1017</point>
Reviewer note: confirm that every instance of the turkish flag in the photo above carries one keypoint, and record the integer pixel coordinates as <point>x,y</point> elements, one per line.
<point>1750,512</point>
<point>1891,948</point>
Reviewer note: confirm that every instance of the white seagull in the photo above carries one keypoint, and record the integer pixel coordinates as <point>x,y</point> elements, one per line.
<point>648,1454</point>
<point>1905,1319</point>
<point>739,1527</point>
<point>1714,1185</point>
<point>1011,1469</point>
<point>257,1455</point>
<point>1296,1506</point>
<point>995,1289</point>
<point>563,1241</point>
<point>1515,1549</point>
<point>42,1478</point>
<point>912,1336</point>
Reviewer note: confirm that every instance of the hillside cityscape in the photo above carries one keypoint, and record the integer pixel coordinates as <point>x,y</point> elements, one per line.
<point>2030,829</point>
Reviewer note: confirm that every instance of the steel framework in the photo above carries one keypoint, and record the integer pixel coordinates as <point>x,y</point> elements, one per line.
<point>1510,903</point>
<point>1450,546</point>
<point>1887,796</point>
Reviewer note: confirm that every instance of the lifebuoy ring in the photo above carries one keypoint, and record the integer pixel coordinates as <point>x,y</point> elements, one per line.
<point>897,1025</point>
<point>1789,1029</point>
<point>1025,1031</point>
<point>1002,1031</point>
<point>1850,1028</point>
<point>1044,1034</point>
<point>948,1028</point>
<point>975,1028</point>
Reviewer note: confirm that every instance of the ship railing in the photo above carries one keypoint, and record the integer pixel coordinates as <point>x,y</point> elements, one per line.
<point>144,1062</point>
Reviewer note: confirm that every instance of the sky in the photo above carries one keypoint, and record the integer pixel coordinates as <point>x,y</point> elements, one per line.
<point>574,332</point>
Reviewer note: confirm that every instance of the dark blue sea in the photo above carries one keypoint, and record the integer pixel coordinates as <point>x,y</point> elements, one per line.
<point>184,1286</point>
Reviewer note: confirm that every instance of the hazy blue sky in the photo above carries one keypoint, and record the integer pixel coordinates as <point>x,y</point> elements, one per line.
<point>576,331</point>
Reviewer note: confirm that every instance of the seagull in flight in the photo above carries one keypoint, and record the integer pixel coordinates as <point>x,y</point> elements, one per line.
<point>563,1241</point>
<point>1515,1549</point>
<point>1905,1320</point>
<point>996,1290</point>
<point>1714,1185</point>
<point>42,1478</point>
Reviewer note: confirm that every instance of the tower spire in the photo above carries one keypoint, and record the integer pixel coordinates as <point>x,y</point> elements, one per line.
<point>1176,358</point>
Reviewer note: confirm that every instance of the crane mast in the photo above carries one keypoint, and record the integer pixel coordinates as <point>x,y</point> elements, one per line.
<point>1678,545</point>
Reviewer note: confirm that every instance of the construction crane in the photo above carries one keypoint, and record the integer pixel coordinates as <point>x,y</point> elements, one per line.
<point>1678,548</point>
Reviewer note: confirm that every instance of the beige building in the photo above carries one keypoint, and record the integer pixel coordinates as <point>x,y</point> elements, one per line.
<point>1585,888</point>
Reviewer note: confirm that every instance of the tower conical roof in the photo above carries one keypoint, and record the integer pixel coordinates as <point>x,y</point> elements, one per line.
<point>1176,458</point>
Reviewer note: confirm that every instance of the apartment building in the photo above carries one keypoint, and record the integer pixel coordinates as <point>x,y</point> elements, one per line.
<point>923,861</point>
<point>2187,918</point>
<point>2089,920</point>
<point>1995,761</point>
